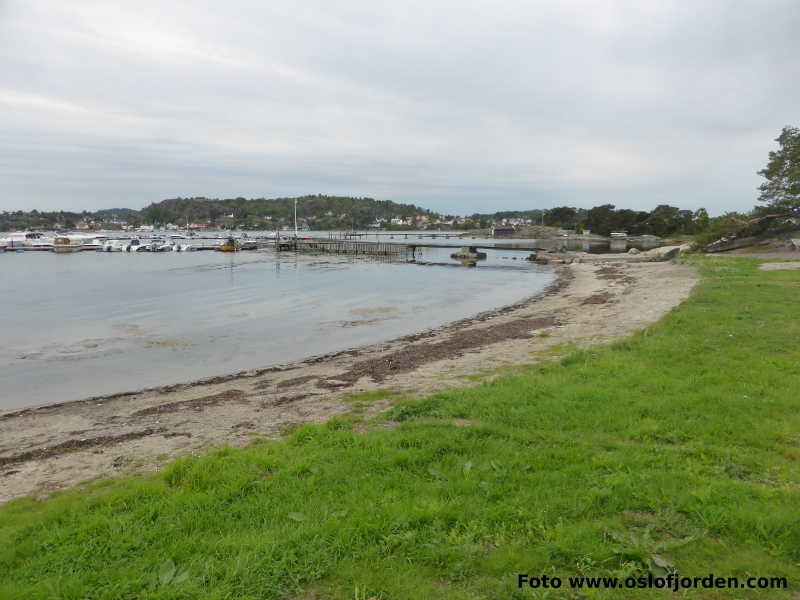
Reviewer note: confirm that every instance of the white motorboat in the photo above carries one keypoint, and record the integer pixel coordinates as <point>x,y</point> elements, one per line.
<point>115,245</point>
<point>134,245</point>
<point>32,240</point>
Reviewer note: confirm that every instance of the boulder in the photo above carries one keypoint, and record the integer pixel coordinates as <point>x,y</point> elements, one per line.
<point>634,251</point>
<point>469,252</point>
<point>667,252</point>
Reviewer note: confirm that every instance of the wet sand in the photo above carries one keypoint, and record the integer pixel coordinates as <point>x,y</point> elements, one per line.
<point>57,446</point>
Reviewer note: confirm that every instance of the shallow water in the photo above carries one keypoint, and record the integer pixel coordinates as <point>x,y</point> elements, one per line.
<point>92,323</point>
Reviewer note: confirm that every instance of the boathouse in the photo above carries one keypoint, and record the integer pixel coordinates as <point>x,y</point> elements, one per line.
<point>502,230</point>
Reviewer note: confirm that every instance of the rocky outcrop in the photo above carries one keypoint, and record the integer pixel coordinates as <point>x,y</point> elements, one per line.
<point>724,244</point>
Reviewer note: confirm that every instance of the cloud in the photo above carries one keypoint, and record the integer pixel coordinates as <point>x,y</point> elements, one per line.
<point>459,106</point>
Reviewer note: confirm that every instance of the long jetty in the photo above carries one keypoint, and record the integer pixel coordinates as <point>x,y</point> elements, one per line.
<point>345,246</point>
<point>341,245</point>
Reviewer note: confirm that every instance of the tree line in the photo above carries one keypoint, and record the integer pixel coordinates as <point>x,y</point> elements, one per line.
<point>329,212</point>
<point>662,221</point>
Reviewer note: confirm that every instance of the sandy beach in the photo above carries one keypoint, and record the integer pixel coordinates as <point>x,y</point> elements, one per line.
<point>57,446</point>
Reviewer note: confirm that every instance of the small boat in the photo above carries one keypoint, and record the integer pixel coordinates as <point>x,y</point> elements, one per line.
<point>229,245</point>
<point>64,245</point>
<point>135,245</point>
<point>114,245</point>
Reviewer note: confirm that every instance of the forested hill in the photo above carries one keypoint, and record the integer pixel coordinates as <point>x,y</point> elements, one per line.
<point>317,211</point>
<point>324,211</point>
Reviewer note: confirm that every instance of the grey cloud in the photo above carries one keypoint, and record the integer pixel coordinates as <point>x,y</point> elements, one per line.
<point>458,106</point>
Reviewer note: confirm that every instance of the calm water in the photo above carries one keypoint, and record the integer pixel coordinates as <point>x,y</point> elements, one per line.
<point>91,323</point>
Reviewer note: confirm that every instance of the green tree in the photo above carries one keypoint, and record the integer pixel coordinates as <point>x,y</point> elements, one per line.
<point>601,219</point>
<point>561,216</point>
<point>781,190</point>
<point>664,219</point>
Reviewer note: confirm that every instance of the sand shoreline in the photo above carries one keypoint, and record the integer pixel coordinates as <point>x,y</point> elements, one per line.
<point>49,447</point>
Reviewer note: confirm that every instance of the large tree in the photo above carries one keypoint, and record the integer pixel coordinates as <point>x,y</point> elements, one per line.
<point>601,219</point>
<point>562,216</point>
<point>781,190</point>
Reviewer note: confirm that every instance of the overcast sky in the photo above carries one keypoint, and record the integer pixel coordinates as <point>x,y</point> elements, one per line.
<point>460,106</point>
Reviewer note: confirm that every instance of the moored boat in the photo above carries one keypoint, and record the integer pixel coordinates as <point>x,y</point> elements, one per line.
<point>135,245</point>
<point>114,245</point>
<point>229,245</point>
<point>27,240</point>
<point>64,245</point>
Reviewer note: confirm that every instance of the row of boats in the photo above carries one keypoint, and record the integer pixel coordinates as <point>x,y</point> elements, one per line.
<point>159,245</point>
<point>68,243</point>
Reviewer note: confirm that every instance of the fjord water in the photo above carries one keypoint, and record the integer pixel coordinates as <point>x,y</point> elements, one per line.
<point>87,324</point>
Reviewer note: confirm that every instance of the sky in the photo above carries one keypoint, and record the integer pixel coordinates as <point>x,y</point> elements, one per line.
<point>460,106</point>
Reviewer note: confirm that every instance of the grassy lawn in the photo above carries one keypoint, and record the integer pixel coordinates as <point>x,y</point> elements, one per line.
<point>675,449</point>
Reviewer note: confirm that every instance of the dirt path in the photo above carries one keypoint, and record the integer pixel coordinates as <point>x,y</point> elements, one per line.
<point>53,447</point>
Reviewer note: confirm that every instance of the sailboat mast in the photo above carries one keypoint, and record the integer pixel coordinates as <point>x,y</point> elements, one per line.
<point>295,218</point>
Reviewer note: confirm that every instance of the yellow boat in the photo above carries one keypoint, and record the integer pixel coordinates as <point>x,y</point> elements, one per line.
<point>62,245</point>
<point>230,245</point>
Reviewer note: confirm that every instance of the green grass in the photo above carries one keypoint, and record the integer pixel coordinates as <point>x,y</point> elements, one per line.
<point>372,396</point>
<point>488,373</point>
<point>682,441</point>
